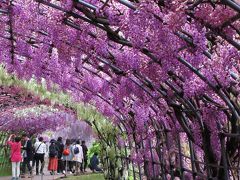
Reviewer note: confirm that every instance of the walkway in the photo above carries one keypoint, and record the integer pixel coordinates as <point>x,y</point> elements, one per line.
<point>46,175</point>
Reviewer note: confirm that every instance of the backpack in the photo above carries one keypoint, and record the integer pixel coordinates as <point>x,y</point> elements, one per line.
<point>76,150</point>
<point>66,152</point>
<point>53,151</point>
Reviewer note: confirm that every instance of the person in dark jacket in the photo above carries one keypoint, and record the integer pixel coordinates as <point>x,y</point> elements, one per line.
<point>27,155</point>
<point>60,146</point>
<point>85,150</point>
<point>53,157</point>
<point>94,163</point>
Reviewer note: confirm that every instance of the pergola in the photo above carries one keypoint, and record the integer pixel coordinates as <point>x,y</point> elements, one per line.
<point>165,72</point>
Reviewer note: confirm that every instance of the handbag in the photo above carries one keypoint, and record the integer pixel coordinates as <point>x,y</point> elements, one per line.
<point>66,152</point>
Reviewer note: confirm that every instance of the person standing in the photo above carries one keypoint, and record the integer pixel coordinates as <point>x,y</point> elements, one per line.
<point>40,150</point>
<point>60,145</point>
<point>78,157</point>
<point>15,156</point>
<point>53,157</point>
<point>68,156</point>
<point>85,158</point>
<point>33,160</point>
<point>27,155</point>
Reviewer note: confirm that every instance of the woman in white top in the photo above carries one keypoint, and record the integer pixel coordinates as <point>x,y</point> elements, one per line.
<point>40,150</point>
<point>78,156</point>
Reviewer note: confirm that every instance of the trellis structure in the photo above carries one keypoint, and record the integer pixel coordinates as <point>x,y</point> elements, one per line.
<point>163,71</point>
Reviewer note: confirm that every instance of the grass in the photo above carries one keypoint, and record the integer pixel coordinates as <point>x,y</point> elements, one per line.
<point>5,166</point>
<point>87,177</point>
<point>5,171</point>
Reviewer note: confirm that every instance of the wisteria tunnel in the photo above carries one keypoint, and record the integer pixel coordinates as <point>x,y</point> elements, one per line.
<point>156,82</point>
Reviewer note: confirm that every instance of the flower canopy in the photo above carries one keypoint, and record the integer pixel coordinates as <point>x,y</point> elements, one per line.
<point>166,73</point>
<point>29,107</point>
<point>34,120</point>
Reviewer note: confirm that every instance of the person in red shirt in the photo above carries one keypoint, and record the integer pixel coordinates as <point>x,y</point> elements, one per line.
<point>15,156</point>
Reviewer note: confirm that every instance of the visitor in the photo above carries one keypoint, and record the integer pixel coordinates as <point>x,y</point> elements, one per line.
<point>94,162</point>
<point>15,156</point>
<point>40,150</point>
<point>85,159</point>
<point>68,157</point>
<point>33,160</point>
<point>60,145</point>
<point>53,157</point>
<point>78,157</point>
<point>27,155</point>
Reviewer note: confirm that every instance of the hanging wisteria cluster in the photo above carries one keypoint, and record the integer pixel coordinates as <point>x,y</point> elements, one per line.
<point>34,120</point>
<point>22,111</point>
<point>75,130</point>
<point>12,96</point>
<point>165,72</point>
